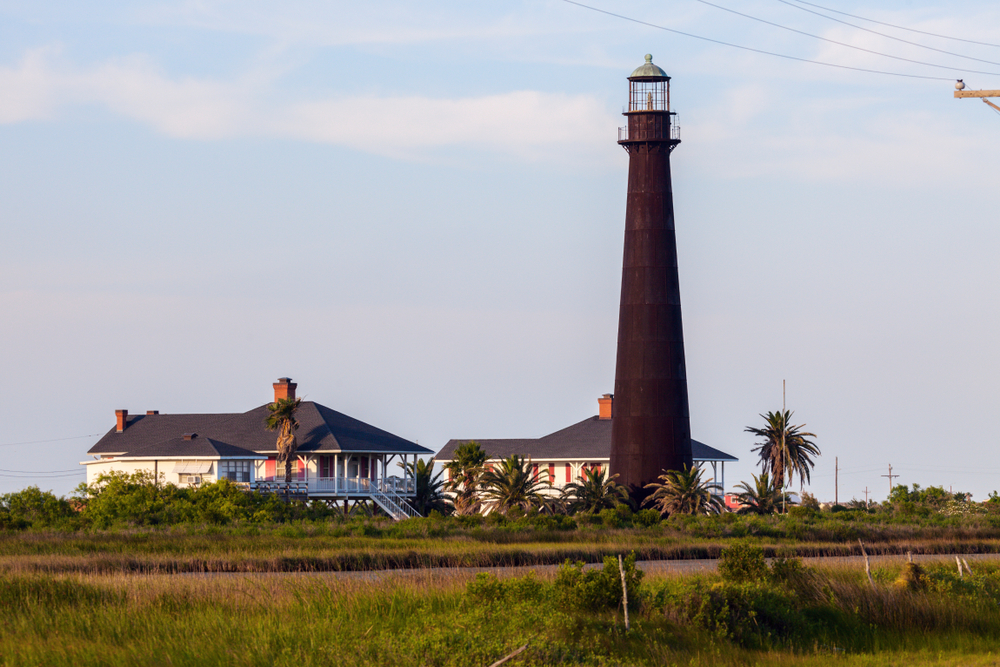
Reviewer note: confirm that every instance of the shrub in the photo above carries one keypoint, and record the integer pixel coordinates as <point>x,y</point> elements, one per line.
<point>803,512</point>
<point>742,562</point>
<point>646,518</point>
<point>611,518</point>
<point>595,589</point>
<point>34,507</point>
<point>750,615</point>
<point>787,568</point>
<point>487,587</point>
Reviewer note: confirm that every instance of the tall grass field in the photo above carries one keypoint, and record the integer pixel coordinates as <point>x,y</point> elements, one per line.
<point>750,613</point>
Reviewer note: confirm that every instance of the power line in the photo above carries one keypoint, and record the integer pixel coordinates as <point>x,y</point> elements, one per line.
<point>42,477</point>
<point>898,27</point>
<point>753,50</point>
<point>882,34</point>
<point>844,44</point>
<point>41,472</point>
<point>36,442</point>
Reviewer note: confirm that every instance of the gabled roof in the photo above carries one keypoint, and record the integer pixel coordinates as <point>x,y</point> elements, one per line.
<point>589,440</point>
<point>321,429</point>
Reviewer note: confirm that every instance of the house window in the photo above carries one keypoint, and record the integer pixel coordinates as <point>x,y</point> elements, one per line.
<point>326,466</point>
<point>234,471</point>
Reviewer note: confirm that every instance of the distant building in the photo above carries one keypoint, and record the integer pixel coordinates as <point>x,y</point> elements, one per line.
<point>563,455</point>
<point>339,458</point>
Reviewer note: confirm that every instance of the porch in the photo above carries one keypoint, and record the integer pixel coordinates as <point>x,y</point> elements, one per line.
<point>343,477</point>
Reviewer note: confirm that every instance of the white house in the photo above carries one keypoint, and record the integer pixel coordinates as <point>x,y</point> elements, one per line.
<point>339,458</point>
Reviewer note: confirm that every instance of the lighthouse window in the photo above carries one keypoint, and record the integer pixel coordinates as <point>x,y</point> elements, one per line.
<point>649,96</point>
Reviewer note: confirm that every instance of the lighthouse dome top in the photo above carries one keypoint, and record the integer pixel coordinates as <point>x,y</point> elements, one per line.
<point>648,69</point>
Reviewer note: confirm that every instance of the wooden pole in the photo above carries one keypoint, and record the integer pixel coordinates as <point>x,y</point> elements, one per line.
<point>836,480</point>
<point>621,569</point>
<point>508,657</point>
<point>868,567</point>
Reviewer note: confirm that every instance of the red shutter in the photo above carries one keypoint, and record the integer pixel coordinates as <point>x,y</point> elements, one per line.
<point>534,471</point>
<point>270,467</point>
<point>302,469</point>
<point>597,468</point>
<point>552,472</point>
<point>569,473</point>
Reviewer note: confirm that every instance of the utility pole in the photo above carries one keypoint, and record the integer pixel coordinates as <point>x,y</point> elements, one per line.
<point>960,91</point>
<point>890,476</point>
<point>784,452</point>
<point>866,497</point>
<point>836,481</point>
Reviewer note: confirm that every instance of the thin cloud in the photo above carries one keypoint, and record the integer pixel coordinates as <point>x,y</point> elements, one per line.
<point>519,123</point>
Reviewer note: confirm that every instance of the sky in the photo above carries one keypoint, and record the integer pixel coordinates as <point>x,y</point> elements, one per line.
<point>415,210</point>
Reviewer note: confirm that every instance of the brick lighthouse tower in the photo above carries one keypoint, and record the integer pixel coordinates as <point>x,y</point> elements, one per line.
<point>650,428</point>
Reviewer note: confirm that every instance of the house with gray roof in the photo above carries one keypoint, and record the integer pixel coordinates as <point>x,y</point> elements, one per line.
<point>562,456</point>
<point>339,458</point>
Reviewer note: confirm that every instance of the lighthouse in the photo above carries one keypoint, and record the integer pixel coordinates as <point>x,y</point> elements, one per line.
<point>650,424</point>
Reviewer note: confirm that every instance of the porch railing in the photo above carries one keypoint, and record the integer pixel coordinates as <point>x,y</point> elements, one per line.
<point>393,486</point>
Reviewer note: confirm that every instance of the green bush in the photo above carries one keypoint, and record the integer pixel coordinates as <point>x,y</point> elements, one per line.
<point>595,589</point>
<point>743,562</point>
<point>487,587</point>
<point>750,615</point>
<point>34,507</point>
<point>611,518</point>
<point>646,518</point>
<point>786,568</point>
<point>803,512</point>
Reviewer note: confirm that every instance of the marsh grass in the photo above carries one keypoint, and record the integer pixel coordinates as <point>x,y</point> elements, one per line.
<point>315,549</point>
<point>435,618</point>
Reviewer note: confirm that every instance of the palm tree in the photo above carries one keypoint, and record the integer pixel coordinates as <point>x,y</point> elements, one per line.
<point>594,492</point>
<point>785,448</point>
<point>684,492</point>
<point>464,472</point>
<point>281,418</point>
<point>764,497</point>
<point>429,488</point>
<point>513,484</point>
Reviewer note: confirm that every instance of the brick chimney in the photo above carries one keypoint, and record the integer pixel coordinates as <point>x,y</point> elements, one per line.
<point>152,412</point>
<point>284,388</point>
<point>604,404</point>
<point>122,418</point>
